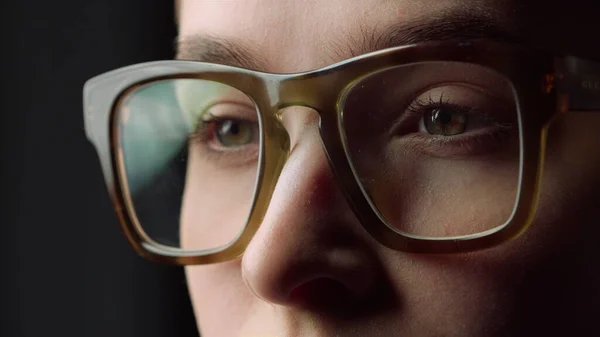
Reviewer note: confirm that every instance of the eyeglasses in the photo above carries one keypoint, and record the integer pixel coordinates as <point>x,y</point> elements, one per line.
<point>438,147</point>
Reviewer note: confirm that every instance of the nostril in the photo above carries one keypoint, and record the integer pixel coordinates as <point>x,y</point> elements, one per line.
<point>320,293</point>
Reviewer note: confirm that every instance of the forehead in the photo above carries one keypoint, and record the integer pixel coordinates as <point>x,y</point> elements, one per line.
<point>293,36</point>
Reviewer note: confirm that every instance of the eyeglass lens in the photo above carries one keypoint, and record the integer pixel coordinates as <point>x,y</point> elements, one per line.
<point>435,146</point>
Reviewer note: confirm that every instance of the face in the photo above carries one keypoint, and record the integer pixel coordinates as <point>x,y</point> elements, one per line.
<point>312,270</point>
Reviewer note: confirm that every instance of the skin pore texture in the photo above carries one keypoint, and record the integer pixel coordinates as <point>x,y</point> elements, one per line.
<point>312,270</point>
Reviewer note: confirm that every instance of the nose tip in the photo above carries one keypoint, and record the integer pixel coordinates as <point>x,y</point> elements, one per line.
<point>308,276</point>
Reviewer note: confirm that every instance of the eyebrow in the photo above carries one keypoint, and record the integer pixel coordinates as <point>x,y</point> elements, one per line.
<point>215,49</point>
<point>453,28</point>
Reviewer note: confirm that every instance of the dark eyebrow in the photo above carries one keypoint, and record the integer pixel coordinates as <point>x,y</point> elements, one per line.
<point>455,28</point>
<point>214,49</point>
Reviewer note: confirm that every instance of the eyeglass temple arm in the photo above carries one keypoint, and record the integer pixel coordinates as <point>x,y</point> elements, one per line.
<point>578,84</point>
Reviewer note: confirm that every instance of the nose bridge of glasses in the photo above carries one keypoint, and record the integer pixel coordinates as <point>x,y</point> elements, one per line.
<point>304,101</point>
<point>316,92</point>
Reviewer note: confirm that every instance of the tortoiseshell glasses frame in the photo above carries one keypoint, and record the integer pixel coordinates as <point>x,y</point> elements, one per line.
<point>545,86</point>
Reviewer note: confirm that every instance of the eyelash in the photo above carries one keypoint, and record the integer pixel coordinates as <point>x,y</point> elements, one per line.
<point>416,110</point>
<point>457,145</point>
<point>417,107</point>
<point>203,135</point>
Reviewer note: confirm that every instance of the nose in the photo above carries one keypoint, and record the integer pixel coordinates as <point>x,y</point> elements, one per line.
<point>310,250</point>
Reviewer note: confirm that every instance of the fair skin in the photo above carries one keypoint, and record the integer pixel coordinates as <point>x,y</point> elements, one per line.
<point>312,270</point>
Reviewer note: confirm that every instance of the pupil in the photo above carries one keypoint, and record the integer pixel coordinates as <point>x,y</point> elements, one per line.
<point>230,127</point>
<point>442,116</point>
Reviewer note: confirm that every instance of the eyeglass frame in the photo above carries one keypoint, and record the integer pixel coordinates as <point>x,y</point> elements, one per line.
<point>546,83</point>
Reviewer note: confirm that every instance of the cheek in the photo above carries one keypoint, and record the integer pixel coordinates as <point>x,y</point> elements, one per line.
<point>445,198</point>
<point>458,295</point>
<point>550,274</point>
<point>216,203</point>
<point>440,197</point>
<point>569,198</point>
<point>218,295</point>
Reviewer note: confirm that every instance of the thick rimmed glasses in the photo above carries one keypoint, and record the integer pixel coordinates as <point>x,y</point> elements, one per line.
<point>438,147</point>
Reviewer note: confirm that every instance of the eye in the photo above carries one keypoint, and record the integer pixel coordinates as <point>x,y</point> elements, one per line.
<point>445,121</point>
<point>457,121</point>
<point>457,112</point>
<point>233,133</point>
<point>228,131</point>
<point>228,127</point>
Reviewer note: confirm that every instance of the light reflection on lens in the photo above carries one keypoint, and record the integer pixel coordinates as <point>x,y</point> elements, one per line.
<point>190,150</point>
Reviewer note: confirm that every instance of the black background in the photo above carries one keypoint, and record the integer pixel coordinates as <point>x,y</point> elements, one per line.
<point>66,267</point>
